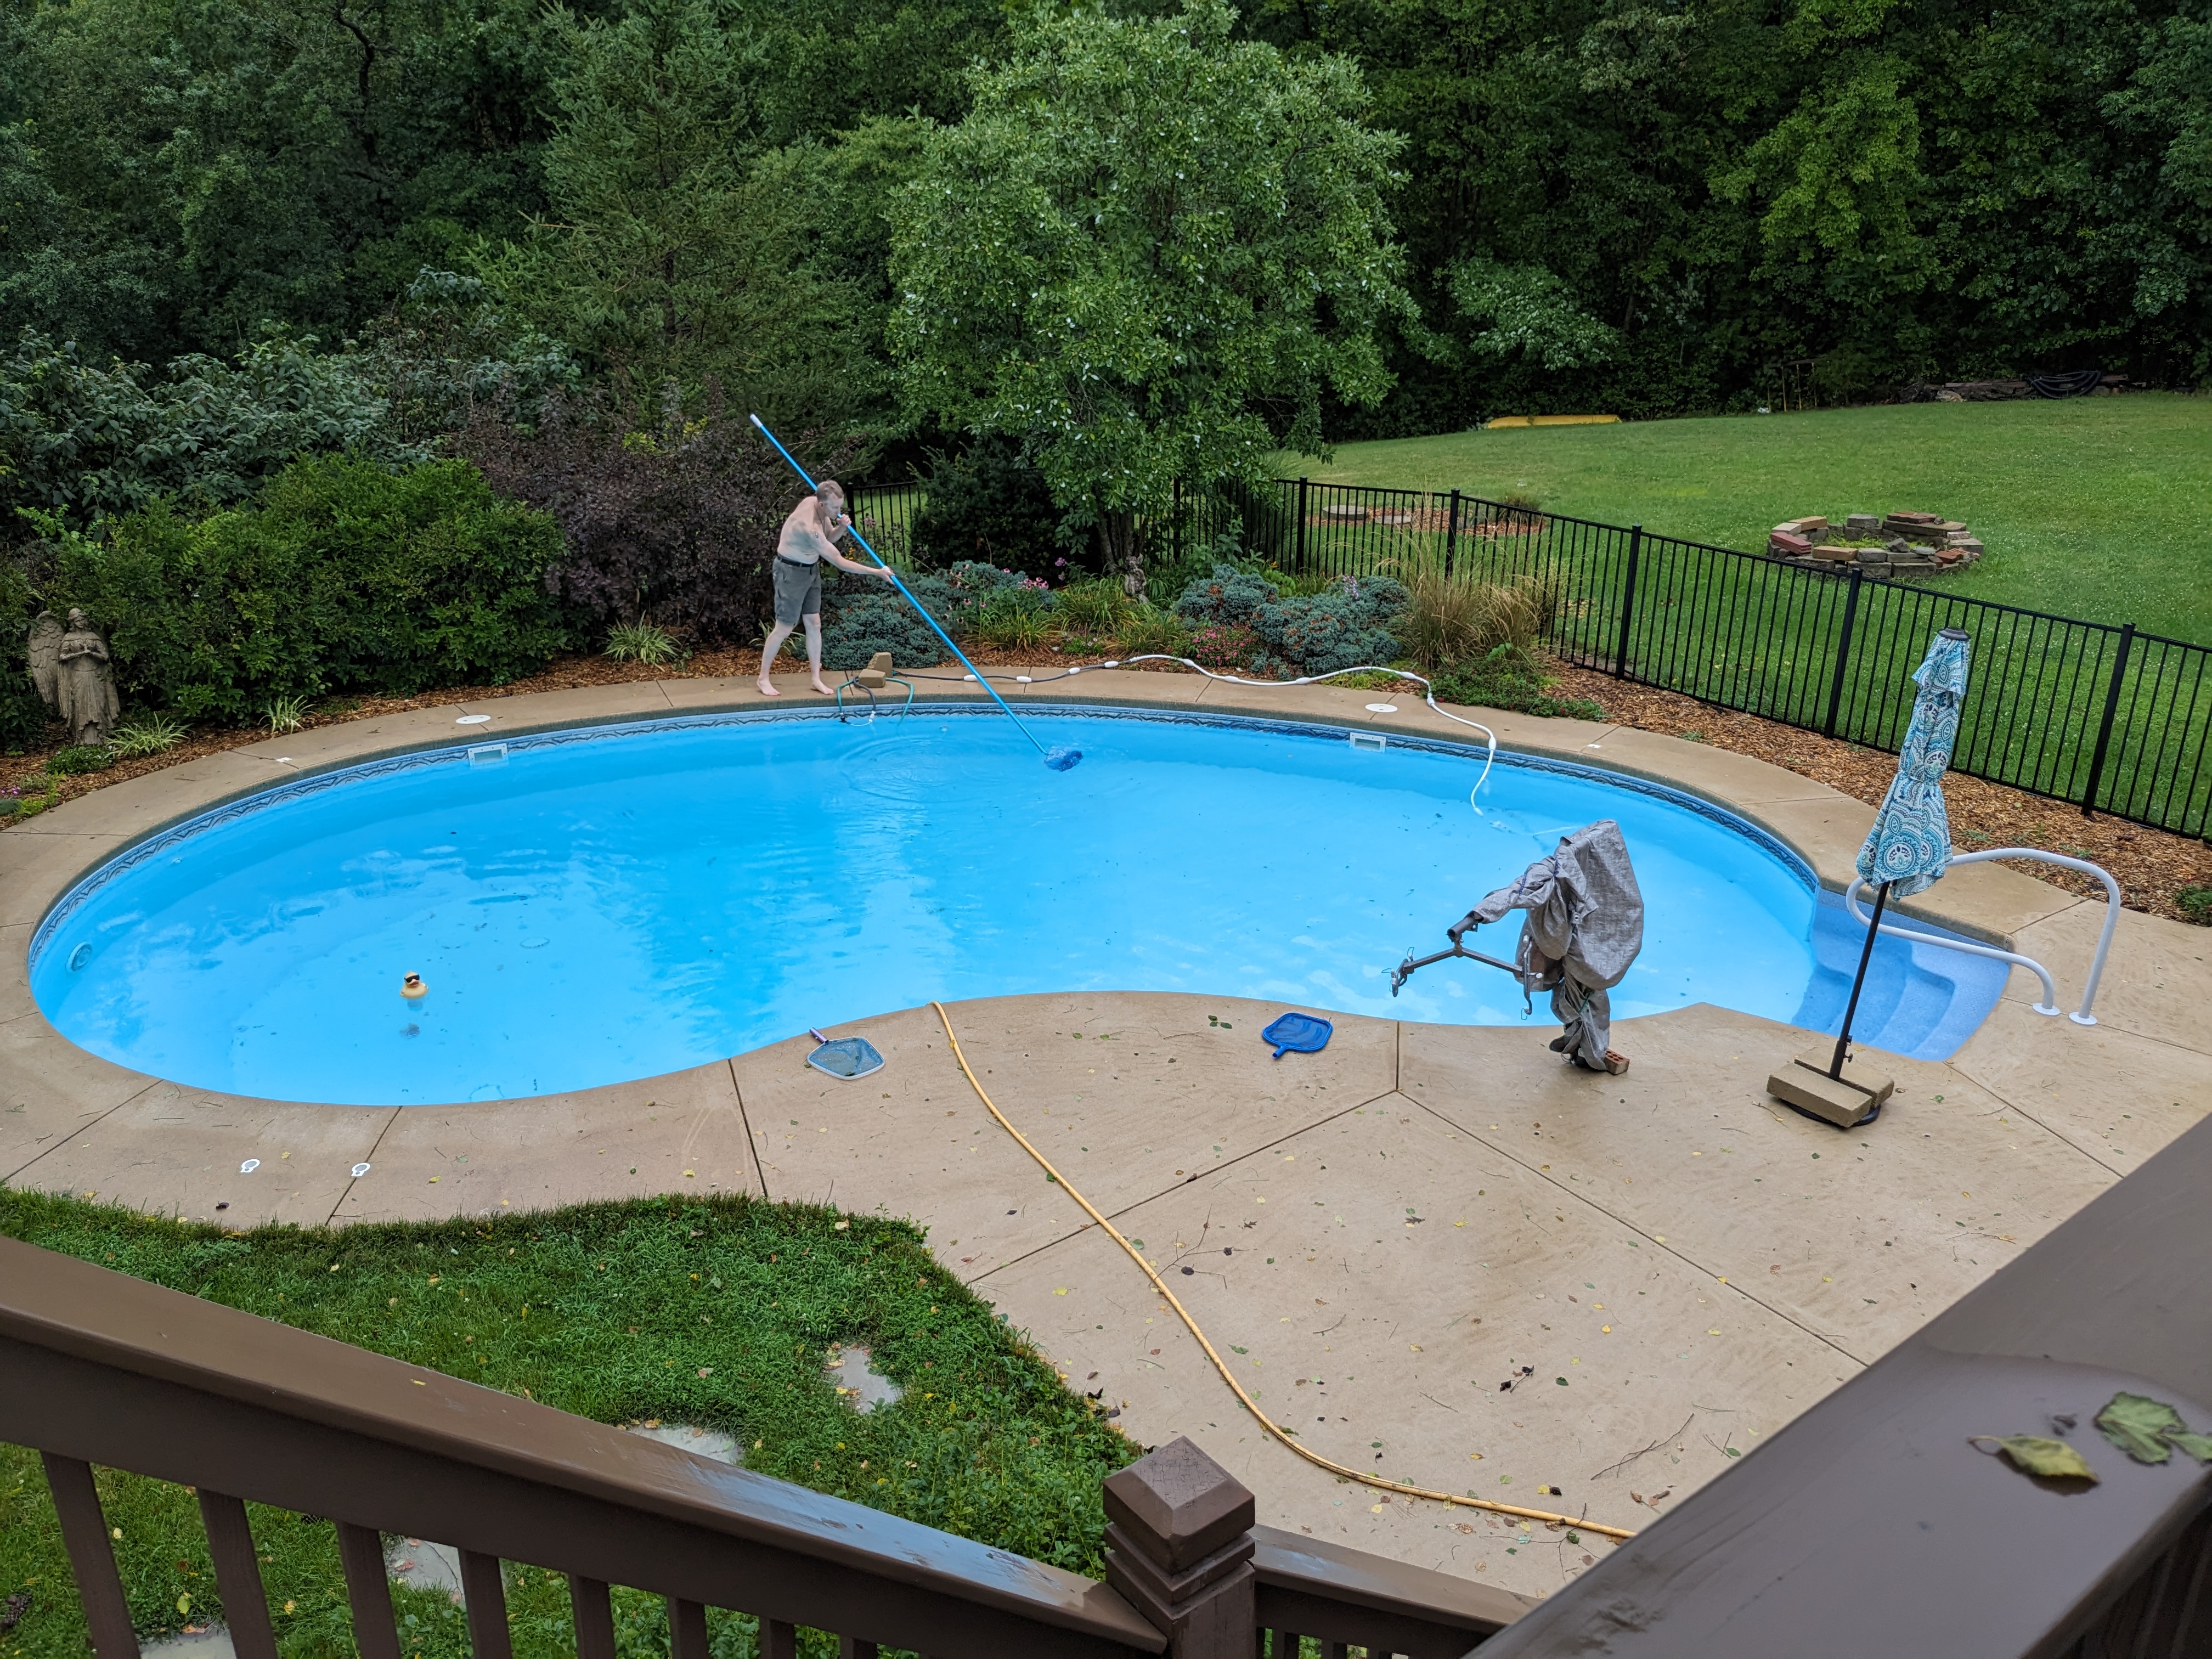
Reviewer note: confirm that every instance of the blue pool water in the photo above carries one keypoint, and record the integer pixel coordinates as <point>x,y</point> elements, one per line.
<point>595,905</point>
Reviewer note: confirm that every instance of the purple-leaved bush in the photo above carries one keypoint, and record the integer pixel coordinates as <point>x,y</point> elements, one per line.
<point>668,518</point>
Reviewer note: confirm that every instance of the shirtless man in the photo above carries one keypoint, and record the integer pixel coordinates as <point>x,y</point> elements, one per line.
<point>809,535</point>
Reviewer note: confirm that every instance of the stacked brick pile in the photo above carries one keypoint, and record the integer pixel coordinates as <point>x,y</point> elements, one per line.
<point>1896,544</point>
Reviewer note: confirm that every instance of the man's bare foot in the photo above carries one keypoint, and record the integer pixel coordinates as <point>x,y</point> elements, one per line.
<point>768,690</point>
<point>823,690</point>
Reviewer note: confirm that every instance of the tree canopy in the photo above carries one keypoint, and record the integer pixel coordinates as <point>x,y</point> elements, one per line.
<point>1634,205</point>
<point>1146,254</point>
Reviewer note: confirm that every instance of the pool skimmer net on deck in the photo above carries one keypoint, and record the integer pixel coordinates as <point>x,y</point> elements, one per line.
<point>844,1057</point>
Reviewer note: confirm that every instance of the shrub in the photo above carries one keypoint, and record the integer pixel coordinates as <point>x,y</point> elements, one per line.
<point>1347,626</point>
<point>642,642</point>
<point>1507,677</point>
<point>878,617</point>
<point>80,758</point>
<point>2195,904</point>
<point>1226,646</point>
<point>1225,597</point>
<point>285,714</point>
<point>87,440</point>
<point>1147,630</point>
<point>991,504</point>
<point>1014,618</point>
<point>664,515</point>
<point>149,734</point>
<point>1450,616</point>
<point>861,618</point>
<point>1093,607</point>
<point>338,576</point>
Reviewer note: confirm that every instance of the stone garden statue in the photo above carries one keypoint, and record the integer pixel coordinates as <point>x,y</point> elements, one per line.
<point>73,674</point>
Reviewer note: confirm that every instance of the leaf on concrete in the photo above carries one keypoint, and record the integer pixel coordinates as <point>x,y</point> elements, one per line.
<point>2138,1426</point>
<point>2030,1454</point>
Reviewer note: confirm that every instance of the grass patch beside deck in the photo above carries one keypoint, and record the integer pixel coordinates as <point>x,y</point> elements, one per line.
<point>611,1312</point>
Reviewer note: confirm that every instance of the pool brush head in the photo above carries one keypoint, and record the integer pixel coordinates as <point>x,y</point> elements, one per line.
<point>1062,759</point>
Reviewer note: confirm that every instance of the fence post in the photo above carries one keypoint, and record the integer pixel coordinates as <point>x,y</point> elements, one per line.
<point>1175,524</point>
<point>1301,525</point>
<point>1843,655</point>
<point>2104,727</point>
<point>1451,532</point>
<point>1628,601</point>
<point>1179,1547</point>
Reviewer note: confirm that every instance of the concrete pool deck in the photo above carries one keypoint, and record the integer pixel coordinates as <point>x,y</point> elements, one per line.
<point>1680,1264</point>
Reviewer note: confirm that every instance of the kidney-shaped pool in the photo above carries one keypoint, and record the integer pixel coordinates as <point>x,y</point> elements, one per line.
<point>609,903</point>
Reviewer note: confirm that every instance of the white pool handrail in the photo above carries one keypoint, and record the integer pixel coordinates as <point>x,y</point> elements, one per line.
<point>2081,1016</point>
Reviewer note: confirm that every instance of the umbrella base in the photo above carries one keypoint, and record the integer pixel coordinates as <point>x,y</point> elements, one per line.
<point>1846,1101</point>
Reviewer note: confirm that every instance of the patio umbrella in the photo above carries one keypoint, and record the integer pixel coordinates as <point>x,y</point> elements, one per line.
<point>1910,845</point>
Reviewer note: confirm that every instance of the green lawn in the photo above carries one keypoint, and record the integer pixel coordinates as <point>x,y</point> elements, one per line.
<point>2099,509</point>
<point>715,1313</point>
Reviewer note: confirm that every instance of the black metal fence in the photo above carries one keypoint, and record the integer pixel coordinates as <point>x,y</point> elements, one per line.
<point>2107,718</point>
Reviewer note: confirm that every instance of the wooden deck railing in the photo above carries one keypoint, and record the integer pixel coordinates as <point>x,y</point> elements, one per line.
<point>1870,1525</point>
<point>98,1368</point>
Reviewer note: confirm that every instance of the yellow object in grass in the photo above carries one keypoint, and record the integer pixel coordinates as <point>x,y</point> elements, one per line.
<point>1550,420</point>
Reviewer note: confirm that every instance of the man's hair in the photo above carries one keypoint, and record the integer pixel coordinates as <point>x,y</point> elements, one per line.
<point>831,493</point>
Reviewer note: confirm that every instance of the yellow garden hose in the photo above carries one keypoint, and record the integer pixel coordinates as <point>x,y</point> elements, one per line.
<point>1266,1422</point>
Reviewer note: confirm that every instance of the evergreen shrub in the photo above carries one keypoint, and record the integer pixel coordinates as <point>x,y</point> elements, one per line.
<point>338,576</point>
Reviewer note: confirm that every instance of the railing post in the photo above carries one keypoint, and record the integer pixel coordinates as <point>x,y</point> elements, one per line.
<point>1179,1547</point>
<point>238,1576</point>
<point>1843,655</point>
<point>1628,601</point>
<point>2104,727</point>
<point>1175,524</point>
<point>1451,532</point>
<point>1301,525</point>
<point>84,1534</point>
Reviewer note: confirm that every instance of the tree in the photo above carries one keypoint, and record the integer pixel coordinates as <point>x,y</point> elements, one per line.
<point>1146,254</point>
<point>194,168</point>
<point>680,246</point>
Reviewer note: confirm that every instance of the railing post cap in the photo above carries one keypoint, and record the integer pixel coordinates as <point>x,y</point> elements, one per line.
<point>1178,1505</point>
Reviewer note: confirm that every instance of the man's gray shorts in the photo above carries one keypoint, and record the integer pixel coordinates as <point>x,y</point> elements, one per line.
<point>798,591</point>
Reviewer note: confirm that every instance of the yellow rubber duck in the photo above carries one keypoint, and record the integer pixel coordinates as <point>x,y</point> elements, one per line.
<point>412,987</point>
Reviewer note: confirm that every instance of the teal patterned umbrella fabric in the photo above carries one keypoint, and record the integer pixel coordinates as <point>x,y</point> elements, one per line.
<point>1911,841</point>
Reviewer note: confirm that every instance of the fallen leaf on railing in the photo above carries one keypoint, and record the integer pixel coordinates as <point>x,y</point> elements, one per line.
<point>2148,1430</point>
<point>2031,1453</point>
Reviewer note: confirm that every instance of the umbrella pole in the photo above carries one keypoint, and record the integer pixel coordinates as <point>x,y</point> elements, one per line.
<point>1858,984</point>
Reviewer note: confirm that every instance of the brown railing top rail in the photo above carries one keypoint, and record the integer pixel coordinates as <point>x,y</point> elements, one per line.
<point>108,1369</point>
<point>1348,1578</point>
<point>1872,1524</point>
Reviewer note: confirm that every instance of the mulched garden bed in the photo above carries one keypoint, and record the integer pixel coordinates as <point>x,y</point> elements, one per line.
<point>2152,866</point>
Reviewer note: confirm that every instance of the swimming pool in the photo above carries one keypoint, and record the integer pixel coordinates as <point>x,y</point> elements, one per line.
<point>617,902</point>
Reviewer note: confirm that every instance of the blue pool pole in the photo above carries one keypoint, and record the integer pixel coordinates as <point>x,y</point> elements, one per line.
<point>1058,759</point>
